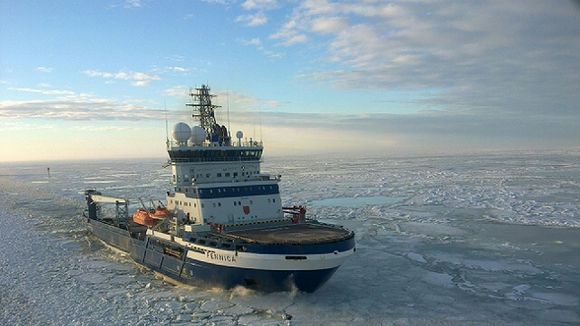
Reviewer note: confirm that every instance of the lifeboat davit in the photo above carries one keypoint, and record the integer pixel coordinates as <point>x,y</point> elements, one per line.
<point>151,217</point>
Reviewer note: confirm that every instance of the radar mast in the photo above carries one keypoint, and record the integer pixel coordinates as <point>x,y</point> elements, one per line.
<point>203,110</point>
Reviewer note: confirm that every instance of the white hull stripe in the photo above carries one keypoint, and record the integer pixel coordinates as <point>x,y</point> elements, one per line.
<point>275,262</point>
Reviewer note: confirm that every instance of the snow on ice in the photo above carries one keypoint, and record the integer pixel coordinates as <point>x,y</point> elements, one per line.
<point>441,240</point>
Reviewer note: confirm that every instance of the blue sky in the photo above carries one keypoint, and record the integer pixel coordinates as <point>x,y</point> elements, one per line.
<point>90,79</point>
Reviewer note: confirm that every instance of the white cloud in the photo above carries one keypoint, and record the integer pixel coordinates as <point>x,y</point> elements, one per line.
<point>219,2</point>
<point>44,69</point>
<point>138,79</point>
<point>329,25</point>
<point>259,4</point>
<point>177,69</point>
<point>255,42</point>
<point>498,56</point>
<point>43,91</point>
<point>177,91</point>
<point>133,3</point>
<point>69,105</point>
<point>253,20</point>
<point>289,34</point>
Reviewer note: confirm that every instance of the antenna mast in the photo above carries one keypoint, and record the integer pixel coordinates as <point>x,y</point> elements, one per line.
<point>228,116</point>
<point>203,108</point>
<point>166,125</point>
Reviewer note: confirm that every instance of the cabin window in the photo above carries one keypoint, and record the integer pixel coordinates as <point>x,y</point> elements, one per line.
<point>201,205</point>
<point>235,174</point>
<point>274,200</point>
<point>235,204</point>
<point>213,204</point>
<point>207,175</point>
<point>227,174</point>
<point>219,204</point>
<point>219,175</point>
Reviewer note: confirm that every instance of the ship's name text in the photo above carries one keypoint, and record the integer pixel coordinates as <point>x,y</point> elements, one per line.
<point>215,256</point>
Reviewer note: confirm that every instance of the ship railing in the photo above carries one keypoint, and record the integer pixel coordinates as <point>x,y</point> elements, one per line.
<point>297,214</point>
<point>215,159</point>
<point>235,144</point>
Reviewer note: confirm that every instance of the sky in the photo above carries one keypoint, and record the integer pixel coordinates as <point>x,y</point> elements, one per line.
<point>97,79</point>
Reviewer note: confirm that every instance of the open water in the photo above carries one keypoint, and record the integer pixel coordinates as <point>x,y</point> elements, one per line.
<point>441,241</point>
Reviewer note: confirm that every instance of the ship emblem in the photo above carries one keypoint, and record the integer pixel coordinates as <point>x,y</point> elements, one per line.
<point>246,210</point>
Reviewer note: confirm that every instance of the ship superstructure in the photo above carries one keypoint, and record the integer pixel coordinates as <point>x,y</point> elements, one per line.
<point>217,181</point>
<point>223,223</point>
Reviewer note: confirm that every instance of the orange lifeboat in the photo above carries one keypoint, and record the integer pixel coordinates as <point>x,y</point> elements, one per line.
<point>143,217</point>
<point>160,213</point>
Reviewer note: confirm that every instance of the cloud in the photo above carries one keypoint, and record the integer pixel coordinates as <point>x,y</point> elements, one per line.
<point>43,91</point>
<point>257,43</point>
<point>177,91</point>
<point>329,25</point>
<point>495,57</point>
<point>259,4</point>
<point>44,69</point>
<point>138,79</point>
<point>70,105</point>
<point>425,133</point>
<point>177,69</point>
<point>253,20</point>
<point>133,3</point>
<point>219,2</point>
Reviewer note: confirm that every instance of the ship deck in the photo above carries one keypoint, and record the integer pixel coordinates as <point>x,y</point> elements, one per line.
<point>304,233</point>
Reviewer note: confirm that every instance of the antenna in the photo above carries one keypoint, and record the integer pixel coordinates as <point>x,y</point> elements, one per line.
<point>260,117</point>
<point>166,125</point>
<point>228,114</point>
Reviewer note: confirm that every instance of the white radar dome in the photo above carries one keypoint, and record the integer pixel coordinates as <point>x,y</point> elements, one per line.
<point>197,135</point>
<point>181,132</point>
<point>239,134</point>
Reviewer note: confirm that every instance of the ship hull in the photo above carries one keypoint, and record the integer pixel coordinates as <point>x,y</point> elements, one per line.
<point>187,266</point>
